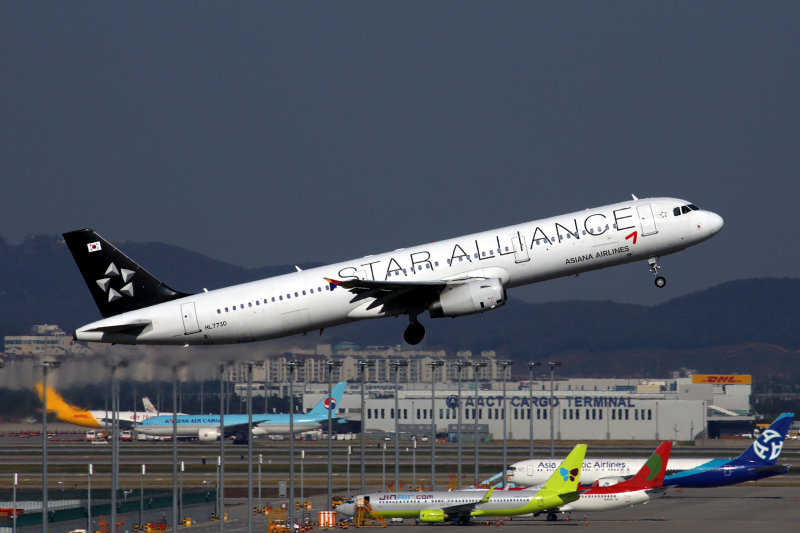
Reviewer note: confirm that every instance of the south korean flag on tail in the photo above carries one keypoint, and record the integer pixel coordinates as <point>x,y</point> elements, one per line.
<point>94,246</point>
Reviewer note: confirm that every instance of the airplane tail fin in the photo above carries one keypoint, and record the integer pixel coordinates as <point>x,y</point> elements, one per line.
<point>652,473</point>
<point>65,411</point>
<point>567,476</point>
<point>330,402</point>
<point>149,408</point>
<point>767,447</point>
<point>116,282</point>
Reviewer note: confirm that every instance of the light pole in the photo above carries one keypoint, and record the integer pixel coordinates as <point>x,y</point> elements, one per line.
<point>531,365</point>
<point>115,441</point>
<point>552,365</point>
<point>221,462</point>
<point>14,506</point>
<point>362,364</point>
<point>460,364</point>
<point>477,365</point>
<point>383,465</point>
<point>293,365</point>
<point>175,510</point>
<point>141,498</point>
<point>89,501</point>
<point>250,365</point>
<point>45,366</point>
<point>414,464</point>
<point>397,364</point>
<point>434,365</point>
<point>260,460</point>
<point>302,461</point>
<point>180,493</point>
<point>504,365</point>
<point>349,453</point>
<point>331,407</point>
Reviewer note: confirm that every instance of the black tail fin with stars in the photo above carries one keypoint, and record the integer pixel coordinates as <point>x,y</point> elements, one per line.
<point>117,283</point>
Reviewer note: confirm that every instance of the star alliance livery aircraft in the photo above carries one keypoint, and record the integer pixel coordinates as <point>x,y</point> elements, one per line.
<point>455,277</point>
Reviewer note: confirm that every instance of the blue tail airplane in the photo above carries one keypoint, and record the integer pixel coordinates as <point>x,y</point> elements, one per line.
<point>757,462</point>
<point>206,427</point>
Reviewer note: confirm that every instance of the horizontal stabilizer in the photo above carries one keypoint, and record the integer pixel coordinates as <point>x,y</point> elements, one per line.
<point>134,328</point>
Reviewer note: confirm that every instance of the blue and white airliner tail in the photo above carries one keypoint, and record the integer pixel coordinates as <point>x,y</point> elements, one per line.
<point>758,461</point>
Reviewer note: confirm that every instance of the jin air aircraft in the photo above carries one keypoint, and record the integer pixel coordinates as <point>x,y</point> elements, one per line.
<point>450,278</point>
<point>461,505</point>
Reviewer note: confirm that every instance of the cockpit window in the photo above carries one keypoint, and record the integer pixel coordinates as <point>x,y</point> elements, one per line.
<point>694,207</point>
<point>685,209</point>
<point>676,211</point>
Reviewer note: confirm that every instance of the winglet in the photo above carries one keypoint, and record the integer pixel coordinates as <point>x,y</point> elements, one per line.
<point>487,495</point>
<point>332,283</point>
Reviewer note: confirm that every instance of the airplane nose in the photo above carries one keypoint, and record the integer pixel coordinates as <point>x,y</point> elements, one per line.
<point>714,223</point>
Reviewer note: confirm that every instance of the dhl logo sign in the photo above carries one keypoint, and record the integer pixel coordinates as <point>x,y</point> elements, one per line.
<point>722,379</point>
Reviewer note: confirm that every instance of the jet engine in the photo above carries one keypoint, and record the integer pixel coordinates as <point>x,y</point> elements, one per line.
<point>432,515</point>
<point>207,435</point>
<point>469,298</point>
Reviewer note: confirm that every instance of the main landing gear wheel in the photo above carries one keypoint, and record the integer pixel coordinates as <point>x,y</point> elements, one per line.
<point>552,517</point>
<point>414,333</point>
<point>661,281</point>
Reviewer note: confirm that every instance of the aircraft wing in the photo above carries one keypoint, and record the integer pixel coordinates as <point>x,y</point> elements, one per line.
<point>239,431</point>
<point>464,509</point>
<point>393,296</point>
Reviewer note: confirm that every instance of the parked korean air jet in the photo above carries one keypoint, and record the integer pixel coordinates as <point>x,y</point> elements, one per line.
<point>450,278</point>
<point>94,419</point>
<point>461,505</point>
<point>633,491</point>
<point>206,427</point>
<point>758,461</point>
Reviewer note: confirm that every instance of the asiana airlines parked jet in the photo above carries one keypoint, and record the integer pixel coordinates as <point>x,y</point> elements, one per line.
<point>450,278</point>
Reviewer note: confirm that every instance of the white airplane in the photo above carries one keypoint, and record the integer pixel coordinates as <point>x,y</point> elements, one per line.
<point>603,471</point>
<point>455,277</point>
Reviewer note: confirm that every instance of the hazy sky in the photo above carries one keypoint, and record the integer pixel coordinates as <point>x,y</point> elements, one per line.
<point>263,133</point>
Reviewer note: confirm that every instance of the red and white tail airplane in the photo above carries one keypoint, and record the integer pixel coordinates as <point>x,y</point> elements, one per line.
<point>451,278</point>
<point>636,490</point>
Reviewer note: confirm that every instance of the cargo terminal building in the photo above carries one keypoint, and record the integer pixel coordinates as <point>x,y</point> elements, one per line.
<point>687,408</point>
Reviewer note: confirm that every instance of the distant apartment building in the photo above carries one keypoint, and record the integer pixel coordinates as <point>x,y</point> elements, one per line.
<point>44,339</point>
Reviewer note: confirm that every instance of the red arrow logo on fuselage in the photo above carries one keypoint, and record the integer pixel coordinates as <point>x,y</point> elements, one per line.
<point>634,235</point>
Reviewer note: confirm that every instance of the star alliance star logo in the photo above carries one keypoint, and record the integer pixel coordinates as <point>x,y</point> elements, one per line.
<point>113,273</point>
